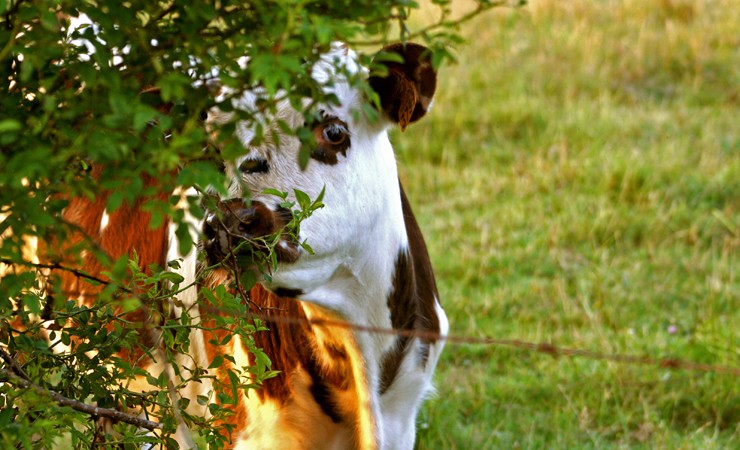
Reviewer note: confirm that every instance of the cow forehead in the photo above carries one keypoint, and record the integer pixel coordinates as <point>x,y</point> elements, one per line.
<point>330,72</point>
<point>330,65</point>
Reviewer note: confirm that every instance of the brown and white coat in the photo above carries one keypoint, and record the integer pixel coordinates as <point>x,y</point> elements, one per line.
<point>338,388</point>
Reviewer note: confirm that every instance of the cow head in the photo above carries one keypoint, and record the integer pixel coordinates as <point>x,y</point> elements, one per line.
<point>352,163</point>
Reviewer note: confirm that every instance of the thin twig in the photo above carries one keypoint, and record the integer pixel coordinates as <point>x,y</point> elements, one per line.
<point>77,405</point>
<point>443,22</point>
<point>5,51</point>
<point>155,21</point>
<point>58,266</point>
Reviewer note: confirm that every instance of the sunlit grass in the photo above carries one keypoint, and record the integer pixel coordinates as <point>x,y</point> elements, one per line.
<point>578,181</point>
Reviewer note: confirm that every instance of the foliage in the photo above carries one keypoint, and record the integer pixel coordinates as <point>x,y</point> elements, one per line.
<point>125,92</point>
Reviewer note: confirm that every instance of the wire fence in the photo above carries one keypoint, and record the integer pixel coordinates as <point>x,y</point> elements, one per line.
<point>14,374</point>
<point>538,347</point>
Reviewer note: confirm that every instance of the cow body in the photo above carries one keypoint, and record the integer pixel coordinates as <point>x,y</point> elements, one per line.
<point>339,388</point>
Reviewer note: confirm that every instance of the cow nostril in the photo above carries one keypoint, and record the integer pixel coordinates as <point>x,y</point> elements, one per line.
<point>246,221</point>
<point>243,227</point>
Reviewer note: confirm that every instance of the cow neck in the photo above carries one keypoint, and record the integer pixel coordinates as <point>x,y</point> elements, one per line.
<point>412,300</point>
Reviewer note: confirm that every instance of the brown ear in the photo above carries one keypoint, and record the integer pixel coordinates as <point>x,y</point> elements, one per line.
<point>406,92</point>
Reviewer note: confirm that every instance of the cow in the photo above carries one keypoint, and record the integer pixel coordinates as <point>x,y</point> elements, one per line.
<point>340,388</point>
<point>337,387</point>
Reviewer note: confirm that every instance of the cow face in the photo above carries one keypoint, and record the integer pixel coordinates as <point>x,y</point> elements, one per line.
<point>352,163</point>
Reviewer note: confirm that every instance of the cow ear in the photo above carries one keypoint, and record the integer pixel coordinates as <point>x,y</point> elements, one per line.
<point>407,90</point>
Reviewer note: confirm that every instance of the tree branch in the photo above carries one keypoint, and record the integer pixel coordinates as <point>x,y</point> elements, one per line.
<point>18,370</point>
<point>95,411</point>
<point>57,266</point>
<point>443,22</point>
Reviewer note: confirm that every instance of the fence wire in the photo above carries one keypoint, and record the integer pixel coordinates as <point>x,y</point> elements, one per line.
<point>538,347</point>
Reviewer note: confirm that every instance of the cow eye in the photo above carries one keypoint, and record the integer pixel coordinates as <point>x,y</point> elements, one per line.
<point>334,133</point>
<point>255,165</point>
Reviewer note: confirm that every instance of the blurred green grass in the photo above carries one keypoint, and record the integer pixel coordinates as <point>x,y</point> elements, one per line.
<point>578,182</point>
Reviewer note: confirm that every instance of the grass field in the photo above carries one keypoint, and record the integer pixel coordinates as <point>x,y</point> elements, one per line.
<point>578,182</point>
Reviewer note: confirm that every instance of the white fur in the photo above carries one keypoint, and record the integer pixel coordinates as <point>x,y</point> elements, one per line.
<point>188,261</point>
<point>400,403</point>
<point>104,221</point>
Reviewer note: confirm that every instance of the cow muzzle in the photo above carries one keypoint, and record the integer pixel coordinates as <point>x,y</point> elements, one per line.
<point>238,229</point>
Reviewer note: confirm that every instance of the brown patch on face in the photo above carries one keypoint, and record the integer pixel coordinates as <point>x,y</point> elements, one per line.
<point>412,302</point>
<point>332,139</point>
<point>407,91</point>
<point>236,223</point>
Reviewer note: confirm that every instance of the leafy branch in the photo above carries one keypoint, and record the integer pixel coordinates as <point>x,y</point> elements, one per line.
<point>443,22</point>
<point>110,113</point>
<point>94,411</point>
<point>18,377</point>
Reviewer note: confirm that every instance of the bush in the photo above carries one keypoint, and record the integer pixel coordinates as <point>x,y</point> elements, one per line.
<point>124,92</point>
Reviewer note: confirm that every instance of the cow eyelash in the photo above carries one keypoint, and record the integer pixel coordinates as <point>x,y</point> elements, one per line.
<point>334,133</point>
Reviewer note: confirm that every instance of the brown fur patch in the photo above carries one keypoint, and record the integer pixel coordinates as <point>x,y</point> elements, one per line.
<point>407,91</point>
<point>241,222</point>
<point>412,301</point>
<point>291,346</point>
<point>127,232</point>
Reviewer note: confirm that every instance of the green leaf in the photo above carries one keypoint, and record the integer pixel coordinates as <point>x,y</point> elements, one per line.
<point>115,200</point>
<point>172,277</point>
<point>304,155</point>
<point>130,304</point>
<point>281,194</point>
<point>234,380</point>
<point>49,21</point>
<point>217,362</point>
<point>143,116</point>
<point>10,125</point>
<point>307,247</point>
<point>185,240</point>
<point>172,86</point>
<point>247,279</point>
<point>304,201</point>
